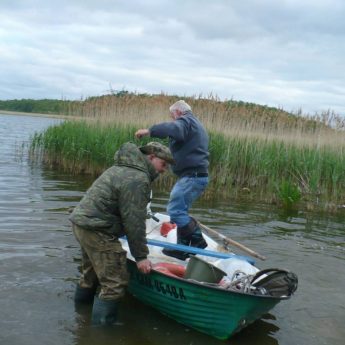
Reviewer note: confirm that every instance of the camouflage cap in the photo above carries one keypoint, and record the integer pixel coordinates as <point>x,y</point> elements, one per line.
<point>158,150</point>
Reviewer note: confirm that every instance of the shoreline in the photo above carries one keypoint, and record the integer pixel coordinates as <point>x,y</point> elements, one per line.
<point>58,116</point>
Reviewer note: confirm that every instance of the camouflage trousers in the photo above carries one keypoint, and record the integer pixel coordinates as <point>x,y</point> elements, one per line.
<point>103,263</point>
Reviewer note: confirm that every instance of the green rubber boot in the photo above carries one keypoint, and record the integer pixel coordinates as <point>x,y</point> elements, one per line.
<point>84,295</point>
<point>104,312</point>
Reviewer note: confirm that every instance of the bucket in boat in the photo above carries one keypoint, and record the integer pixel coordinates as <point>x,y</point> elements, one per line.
<point>203,271</point>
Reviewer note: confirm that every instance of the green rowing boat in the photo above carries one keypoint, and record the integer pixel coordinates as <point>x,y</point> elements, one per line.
<point>203,307</point>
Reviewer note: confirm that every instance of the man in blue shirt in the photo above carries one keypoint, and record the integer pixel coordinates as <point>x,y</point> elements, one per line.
<point>188,143</point>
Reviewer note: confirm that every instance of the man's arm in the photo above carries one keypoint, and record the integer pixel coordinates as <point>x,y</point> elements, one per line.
<point>142,133</point>
<point>133,200</point>
<point>177,130</point>
<point>144,266</point>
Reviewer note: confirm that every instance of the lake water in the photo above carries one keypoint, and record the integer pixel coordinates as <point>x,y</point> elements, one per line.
<point>39,262</point>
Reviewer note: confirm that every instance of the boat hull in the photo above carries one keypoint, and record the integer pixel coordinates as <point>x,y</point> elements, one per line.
<point>216,312</point>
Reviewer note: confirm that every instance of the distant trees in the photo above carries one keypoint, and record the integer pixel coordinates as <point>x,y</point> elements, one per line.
<point>46,106</point>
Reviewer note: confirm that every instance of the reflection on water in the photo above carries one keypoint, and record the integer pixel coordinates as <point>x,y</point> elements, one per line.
<point>153,328</point>
<point>38,257</point>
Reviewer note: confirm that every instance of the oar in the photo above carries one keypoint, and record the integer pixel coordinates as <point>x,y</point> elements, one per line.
<point>194,250</point>
<point>228,240</point>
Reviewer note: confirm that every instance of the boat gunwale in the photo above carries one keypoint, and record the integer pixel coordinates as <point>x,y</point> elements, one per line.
<point>205,285</point>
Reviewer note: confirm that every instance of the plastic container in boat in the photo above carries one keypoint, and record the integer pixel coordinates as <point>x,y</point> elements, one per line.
<point>203,271</point>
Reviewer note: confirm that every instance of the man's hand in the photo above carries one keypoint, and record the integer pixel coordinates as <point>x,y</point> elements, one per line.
<point>142,133</point>
<point>144,266</point>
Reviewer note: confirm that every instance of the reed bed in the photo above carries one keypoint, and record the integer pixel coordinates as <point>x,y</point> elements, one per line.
<point>215,114</point>
<point>255,152</point>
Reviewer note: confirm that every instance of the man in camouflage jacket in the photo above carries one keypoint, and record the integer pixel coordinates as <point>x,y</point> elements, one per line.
<point>116,205</point>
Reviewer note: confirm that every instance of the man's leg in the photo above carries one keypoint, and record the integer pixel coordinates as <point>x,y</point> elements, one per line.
<point>111,268</point>
<point>184,193</point>
<point>88,282</point>
<point>108,260</point>
<point>177,207</point>
<point>197,187</point>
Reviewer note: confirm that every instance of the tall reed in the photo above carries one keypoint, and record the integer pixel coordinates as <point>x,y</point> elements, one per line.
<point>268,167</point>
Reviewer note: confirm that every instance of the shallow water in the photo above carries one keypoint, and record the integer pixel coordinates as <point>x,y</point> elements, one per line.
<point>39,262</point>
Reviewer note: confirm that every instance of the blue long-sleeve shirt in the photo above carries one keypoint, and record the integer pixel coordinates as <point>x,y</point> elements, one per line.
<point>188,142</point>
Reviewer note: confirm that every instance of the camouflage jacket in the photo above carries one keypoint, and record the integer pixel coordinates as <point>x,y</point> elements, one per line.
<point>116,202</point>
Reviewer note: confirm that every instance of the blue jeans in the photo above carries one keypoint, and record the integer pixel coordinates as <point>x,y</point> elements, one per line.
<point>185,191</point>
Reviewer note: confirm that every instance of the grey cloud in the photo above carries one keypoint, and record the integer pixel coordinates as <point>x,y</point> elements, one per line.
<point>269,52</point>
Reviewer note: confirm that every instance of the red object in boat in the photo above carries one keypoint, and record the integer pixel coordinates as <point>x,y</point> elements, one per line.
<point>166,227</point>
<point>170,269</point>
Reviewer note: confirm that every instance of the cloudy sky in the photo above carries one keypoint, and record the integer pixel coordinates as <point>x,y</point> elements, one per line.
<point>287,53</point>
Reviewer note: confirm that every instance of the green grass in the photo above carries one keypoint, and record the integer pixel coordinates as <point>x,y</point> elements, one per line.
<point>268,166</point>
<point>257,168</point>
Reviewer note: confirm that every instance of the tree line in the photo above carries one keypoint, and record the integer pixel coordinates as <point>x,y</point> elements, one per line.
<point>46,106</point>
